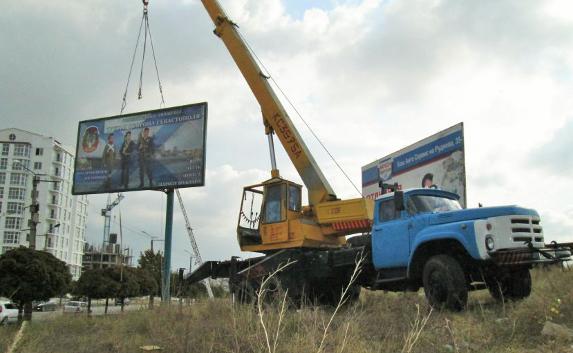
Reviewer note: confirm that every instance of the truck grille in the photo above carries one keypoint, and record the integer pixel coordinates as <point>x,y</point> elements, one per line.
<point>526,229</point>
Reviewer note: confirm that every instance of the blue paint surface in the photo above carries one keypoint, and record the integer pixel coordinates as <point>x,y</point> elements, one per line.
<point>394,242</point>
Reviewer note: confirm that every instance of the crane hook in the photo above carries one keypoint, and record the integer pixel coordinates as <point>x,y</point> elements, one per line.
<point>145,3</point>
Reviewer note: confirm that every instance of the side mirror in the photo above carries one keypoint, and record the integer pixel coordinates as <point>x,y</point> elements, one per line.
<point>399,200</point>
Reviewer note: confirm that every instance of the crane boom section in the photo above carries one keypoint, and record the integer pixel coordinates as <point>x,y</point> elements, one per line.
<point>198,259</point>
<point>275,117</point>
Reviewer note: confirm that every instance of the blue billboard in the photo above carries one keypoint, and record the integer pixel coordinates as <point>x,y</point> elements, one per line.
<point>152,150</point>
<point>437,161</point>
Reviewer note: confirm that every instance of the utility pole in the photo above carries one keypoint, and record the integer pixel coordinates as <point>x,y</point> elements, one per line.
<point>152,238</point>
<point>34,212</point>
<point>166,280</point>
<point>190,260</point>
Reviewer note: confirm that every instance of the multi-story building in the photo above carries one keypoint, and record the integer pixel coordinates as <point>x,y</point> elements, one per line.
<point>62,216</point>
<point>110,255</point>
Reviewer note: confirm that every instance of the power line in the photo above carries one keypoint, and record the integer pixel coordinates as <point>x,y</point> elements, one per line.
<point>269,75</point>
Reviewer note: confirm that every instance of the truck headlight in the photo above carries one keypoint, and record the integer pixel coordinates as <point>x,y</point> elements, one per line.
<point>489,243</point>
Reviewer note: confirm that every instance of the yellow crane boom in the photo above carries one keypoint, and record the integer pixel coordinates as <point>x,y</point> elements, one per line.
<point>275,118</point>
<point>278,220</point>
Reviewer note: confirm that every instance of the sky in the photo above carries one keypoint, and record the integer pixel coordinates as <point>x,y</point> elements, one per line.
<point>369,76</point>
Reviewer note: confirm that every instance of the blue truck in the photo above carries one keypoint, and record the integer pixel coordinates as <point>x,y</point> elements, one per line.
<point>420,238</point>
<point>423,238</point>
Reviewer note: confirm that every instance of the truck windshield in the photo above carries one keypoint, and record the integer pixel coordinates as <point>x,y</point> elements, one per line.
<point>426,203</point>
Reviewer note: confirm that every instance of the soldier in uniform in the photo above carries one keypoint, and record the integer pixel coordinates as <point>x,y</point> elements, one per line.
<point>109,159</point>
<point>125,152</point>
<point>146,149</point>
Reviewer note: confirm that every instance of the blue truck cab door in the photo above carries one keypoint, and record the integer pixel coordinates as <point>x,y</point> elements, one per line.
<point>390,236</point>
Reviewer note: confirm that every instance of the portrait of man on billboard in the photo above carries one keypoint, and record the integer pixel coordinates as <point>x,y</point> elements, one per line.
<point>109,159</point>
<point>146,148</point>
<point>127,148</point>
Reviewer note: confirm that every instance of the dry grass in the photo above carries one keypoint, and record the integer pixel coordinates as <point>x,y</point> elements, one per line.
<point>7,334</point>
<point>380,322</point>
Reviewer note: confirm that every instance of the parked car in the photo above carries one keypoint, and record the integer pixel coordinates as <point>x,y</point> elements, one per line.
<point>46,306</point>
<point>118,301</point>
<point>8,313</point>
<point>75,307</point>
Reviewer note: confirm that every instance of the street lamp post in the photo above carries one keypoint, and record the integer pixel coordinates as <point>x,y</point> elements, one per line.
<point>34,207</point>
<point>190,260</point>
<point>153,238</point>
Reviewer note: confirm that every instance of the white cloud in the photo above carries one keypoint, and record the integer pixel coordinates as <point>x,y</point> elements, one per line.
<point>369,76</point>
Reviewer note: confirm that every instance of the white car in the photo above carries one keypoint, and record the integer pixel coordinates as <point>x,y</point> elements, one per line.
<point>8,313</point>
<point>75,307</point>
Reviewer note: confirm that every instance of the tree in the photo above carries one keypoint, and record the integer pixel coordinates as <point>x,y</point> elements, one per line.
<point>96,284</point>
<point>152,263</point>
<point>147,284</point>
<point>27,275</point>
<point>127,280</point>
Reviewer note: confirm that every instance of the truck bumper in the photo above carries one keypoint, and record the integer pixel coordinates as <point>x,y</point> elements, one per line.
<point>531,256</point>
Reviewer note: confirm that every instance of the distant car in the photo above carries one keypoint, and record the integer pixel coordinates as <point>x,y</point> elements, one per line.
<point>8,313</point>
<point>75,307</point>
<point>47,306</point>
<point>125,301</point>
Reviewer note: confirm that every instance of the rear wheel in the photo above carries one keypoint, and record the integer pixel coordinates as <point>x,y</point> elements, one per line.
<point>445,283</point>
<point>244,292</point>
<point>513,285</point>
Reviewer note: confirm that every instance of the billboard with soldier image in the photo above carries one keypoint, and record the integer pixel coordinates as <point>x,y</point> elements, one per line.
<point>158,149</point>
<point>435,162</point>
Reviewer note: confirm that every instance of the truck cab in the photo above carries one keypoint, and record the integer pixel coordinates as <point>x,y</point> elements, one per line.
<point>423,237</point>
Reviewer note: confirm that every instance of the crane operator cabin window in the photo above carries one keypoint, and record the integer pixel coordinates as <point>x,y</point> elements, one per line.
<point>273,205</point>
<point>294,198</point>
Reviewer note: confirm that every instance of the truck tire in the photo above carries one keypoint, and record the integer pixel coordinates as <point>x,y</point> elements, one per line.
<point>445,283</point>
<point>244,292</point>
<point>512,285</point>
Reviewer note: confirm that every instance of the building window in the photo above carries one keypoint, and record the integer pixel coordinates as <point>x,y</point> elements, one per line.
<point>2,178</point>
<point>1,192</point>
<point>21,150</point>
<point>57,171</point>
<point>37,165</point>
<point>5,149</point>
<point>3,163</point>
<point>11,237</point>
<point>20,164</point>
<point>58,157</point>
<point>16,194</point>
<point>54,199</point>
<point>39,151</point>
<point>52,213</point>
<point>14,208</point>
<point>12,223</point>
<point>56,186</point>
<point>18,179</point>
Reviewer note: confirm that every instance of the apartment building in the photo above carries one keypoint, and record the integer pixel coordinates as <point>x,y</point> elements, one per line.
<point>62,216</point>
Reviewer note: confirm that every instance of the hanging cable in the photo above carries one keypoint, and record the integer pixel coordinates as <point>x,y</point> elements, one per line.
<point>124,101</point>
<point>139,96</point>
<point>155,61</point>
<point>146,33</point>
<point>270,76</point>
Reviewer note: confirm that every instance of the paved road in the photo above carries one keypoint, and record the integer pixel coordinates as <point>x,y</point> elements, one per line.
<point>96,310</point>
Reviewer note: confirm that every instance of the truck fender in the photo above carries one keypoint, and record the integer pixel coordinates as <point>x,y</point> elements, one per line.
<point>431,245</point>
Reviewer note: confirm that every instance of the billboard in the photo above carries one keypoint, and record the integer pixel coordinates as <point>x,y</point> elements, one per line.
<point>157,149</point>
<point>437,162</point>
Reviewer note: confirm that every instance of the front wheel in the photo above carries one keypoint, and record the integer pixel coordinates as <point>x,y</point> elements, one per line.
<point>514,285</point>
<point>445,283</point>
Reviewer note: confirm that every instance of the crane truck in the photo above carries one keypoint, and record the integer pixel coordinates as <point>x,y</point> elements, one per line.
<point>407,239</point>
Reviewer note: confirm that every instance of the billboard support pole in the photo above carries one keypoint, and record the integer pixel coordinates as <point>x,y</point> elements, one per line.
<point>166,280</point>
